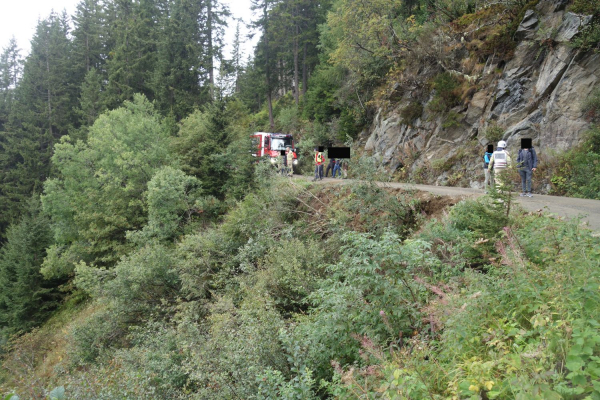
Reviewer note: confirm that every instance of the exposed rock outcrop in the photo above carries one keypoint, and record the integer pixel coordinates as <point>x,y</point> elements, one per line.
<point>536,94</point>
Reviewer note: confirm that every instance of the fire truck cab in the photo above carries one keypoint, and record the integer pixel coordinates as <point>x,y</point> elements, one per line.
<point>271,144</point>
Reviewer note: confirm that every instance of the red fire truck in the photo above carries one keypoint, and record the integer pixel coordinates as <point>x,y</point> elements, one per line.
<point>271,144</point>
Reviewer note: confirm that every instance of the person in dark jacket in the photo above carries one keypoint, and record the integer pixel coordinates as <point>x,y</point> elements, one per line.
<point>337,169</point>
<point>330,167</point>
<point>527,163</point>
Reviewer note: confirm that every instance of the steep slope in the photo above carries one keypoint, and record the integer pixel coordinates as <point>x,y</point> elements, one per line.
<point>536,92</point>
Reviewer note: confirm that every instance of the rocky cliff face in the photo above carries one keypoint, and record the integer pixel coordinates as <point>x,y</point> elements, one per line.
<point>536,94</point>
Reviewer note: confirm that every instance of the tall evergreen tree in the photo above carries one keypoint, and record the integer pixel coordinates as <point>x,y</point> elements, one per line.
<point>11,69</point>
<point>92,99</point>
<point>176,79</point>
<point>264,51</point>
<point>236,58</point>
<point>89,36</point>
<point>191,40</point>
<point>134,28</point>
<point>25,297</point>
<point>41,113</point>
<point>216,14</point>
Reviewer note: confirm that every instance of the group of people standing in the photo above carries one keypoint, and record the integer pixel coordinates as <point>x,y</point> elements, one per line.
<point>337,167</point>
<point>496,162</point>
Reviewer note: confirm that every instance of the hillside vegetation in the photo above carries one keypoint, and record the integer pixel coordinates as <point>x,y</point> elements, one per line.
<point>146,254</point>
<point>345,292</point>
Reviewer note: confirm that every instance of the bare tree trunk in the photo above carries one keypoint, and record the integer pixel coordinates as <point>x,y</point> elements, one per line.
<point>271,120</point>
<point>211,72</point>
<point>296,72</point>
<point>304,70</point>
<point>49,94</point>
<point>282,83</point>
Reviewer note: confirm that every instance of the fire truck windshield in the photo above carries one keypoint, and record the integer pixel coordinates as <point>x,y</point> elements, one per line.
<point>280,143</point>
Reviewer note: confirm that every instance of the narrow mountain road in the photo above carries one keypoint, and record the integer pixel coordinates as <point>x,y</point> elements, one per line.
<point>566,207</point>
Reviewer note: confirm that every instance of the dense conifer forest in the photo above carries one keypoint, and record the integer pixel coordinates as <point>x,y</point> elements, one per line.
<point>146,255</point>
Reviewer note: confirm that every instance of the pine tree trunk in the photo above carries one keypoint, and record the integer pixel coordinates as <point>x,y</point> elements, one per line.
<point>271,120</point>
<point>211,72</point>
<point>49,94</point>
<point>87,53</point>
<point>296,72</point>
<point>304,71</point>
<point>282,83</point>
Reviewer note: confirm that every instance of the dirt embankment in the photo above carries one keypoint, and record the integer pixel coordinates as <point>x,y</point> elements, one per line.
<point>563,207</point>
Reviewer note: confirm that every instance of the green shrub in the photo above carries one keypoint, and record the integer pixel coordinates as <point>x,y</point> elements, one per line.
<point>479,216</point>
<point>289,272</point>
<point>452,120</point>
<point>203,262</point>
<point>493,133</point>
<point>578,174</point>
<point>300,384</point>
<point>155,360</point>
<point>591,106</point>
<point>288,120</point>
<point>141,282</point>
<point>466,238</point>
<point>411,112</point>
<point>241,343</point>
<point>446,92</point>
<point>441,164</point>
<point>173,198</point>
<point>528,328</point>
<point>369,296</point>
<point>590,36</point>
<point>96,336</point>
<point>373,209</point>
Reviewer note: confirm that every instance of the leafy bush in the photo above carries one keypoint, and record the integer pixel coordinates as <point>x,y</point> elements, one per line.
<point>241,343</point>
<point>578,173</point>
<point>155,360</point>
<point>96,336</point>
<point>376,210</point>
<point>289,272</point>
<point>172,198</point>
<point>99,192</point>
<point>478,216</point>
<point>503,334</point>
<point>299,383</point>
<point>368,296</point>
